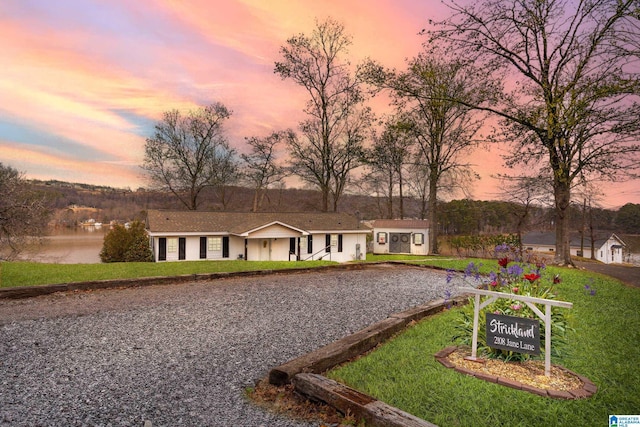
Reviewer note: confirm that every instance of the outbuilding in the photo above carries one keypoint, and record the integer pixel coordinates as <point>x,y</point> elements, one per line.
<point>608,247</point>
<point>255,236</point>
<point>401,236</point>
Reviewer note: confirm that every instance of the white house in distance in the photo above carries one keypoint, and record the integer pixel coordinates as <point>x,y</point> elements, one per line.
<point>608,248</point>
<point>400,236</point>
<point>255,236</point>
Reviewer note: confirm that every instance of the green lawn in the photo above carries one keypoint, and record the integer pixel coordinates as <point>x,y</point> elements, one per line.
<point>14,274</point>
<point>603,347</point>
<point>31,273</point>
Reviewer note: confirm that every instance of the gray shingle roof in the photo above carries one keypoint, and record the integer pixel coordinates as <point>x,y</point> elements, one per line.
<point>549,239</point>
<point>401,223</point>
<point>159,221</point>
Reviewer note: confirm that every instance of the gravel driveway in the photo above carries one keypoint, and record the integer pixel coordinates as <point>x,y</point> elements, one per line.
<point>182,355</point>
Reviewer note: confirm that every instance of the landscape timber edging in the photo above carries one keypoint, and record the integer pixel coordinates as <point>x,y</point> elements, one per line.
<point>349,401</point>
<point>304,371</point>
<point>39,290</point>
<point>356,344</point>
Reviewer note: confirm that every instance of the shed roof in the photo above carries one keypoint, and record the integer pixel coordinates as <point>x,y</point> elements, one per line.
<point>160,221</point>
<point>549,239</point>
<point>401,223</point>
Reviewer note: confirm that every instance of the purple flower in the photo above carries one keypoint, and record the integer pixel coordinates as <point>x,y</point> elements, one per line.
<point>493,277</point>
<point>515,270</point>
<point>450,274</point>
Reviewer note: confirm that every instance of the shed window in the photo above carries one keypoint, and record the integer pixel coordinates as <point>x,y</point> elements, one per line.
<point>418,239</point>
<point>172,245</point>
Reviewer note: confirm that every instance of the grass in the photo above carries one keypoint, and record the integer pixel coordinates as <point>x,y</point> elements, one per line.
<point>14,274</point>
<point>603,347</point>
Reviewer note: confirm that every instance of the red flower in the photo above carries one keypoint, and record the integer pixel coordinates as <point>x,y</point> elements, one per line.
<point>503,262</point>
<point>515,290</point>
<point>494,284</point>
<point>532,277</point>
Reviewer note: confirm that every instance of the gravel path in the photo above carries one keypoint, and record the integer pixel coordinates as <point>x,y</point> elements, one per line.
<point>182,355</point>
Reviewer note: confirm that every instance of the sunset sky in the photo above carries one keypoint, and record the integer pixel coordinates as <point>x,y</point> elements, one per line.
<point>82,82</point>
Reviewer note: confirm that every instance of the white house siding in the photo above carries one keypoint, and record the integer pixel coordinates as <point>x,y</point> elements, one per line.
<point>610,252</point>
<point>267,249</point>
<point>414,249</point>
<point>275,231</point>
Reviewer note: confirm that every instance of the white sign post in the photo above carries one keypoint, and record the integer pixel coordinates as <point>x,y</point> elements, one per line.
<point>530,301</point>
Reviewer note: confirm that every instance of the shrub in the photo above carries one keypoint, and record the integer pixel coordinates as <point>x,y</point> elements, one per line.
<point>126,244</point>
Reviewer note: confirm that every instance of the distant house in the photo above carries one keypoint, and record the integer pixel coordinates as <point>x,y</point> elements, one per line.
<point>255,236</point>
<point>608,247</point>
<point>400,236</point>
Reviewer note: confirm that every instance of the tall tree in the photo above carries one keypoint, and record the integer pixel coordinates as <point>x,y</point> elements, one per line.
<point>24,213</point>
<point>388,157</point>
<point>443,128</point>
<point>261,166</point>
<point>568,84</point>
<point>189,152</point>
<point>332,136</point>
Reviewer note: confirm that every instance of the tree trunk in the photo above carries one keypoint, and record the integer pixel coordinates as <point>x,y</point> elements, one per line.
<point>562,193</point>
<point>401,195</point>
<point>390,196</point>
<point>325,199</point>
<point>433,216</point>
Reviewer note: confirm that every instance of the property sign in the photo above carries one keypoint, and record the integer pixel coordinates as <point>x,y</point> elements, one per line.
<point>511,333</point>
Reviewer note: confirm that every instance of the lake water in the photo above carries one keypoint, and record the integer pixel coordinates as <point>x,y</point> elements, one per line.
<point>69,246</point>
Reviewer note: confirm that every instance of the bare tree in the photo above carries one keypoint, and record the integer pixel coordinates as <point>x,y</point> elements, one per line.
<point>443,128</point>
<point>332,136</point>
<point>526,192</point>
<point>24,213</point>
<point>388,158</point>
<point>566,85</point>
<point>261,167</point>
<point>189,152</point>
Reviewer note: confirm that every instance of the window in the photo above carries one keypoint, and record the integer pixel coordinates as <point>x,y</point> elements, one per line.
<point>215,244</point>
<point>333,241</point>
<point>382,238</point>
<point>303,244</point>
<point>418,239</point>
<point>172,245</point>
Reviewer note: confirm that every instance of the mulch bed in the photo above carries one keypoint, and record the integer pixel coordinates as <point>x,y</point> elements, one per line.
<point>527,376</point>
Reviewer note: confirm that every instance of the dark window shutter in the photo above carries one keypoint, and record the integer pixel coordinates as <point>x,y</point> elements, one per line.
<point>182,248</point>
<point>162,249</point>
<point>225,247</point>
<point>327,241</point>
<point>292,245</point>
<point>203,248</point>
<point>310,244</point>
<point>339,242</point>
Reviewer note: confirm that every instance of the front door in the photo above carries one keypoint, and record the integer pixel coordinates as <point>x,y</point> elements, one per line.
<point>265,250</point>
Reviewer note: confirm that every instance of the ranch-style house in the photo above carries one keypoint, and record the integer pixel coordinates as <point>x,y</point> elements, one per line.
<point>255,236</point>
